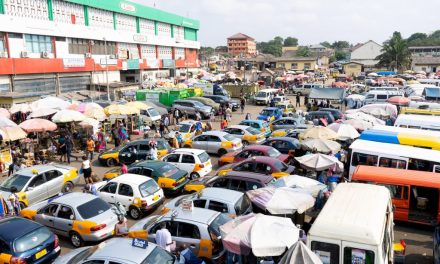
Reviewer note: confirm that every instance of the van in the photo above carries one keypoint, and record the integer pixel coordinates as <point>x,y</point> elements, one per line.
<point>378,96</point>
<point>264,96</point>
<point>383,88</point>
<point>426,122</point>
<point>304,89</point>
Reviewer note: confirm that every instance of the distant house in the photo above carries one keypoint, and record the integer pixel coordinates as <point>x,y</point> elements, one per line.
<point>297,63</point>
<point>241,44</point>
<point>366,54</point>
<point>352,68</point>
<point>426,64</point>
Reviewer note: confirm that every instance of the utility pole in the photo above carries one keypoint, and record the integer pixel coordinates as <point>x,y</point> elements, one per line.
<point>106,70</point>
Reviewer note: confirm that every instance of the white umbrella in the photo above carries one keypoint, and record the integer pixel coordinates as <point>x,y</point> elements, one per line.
<point>321,145</point>
<point>320,132</point>
<point>282,200</point>
<point>356,97</point>
<point>360,125</point>
<point>389,108</point>
<point>373,74</point>
<point>365,117</point>
<point>65,116</point>
<point>319,162</point>
<point>264,235</point>
<point>51,102</point>
<point>344,131</point>
<point>12,133</point>
<point>24,108</point>
<point>41,112</point>
<point>6,122</point>
<point>376,112</point>
<point>300,253</point>
<point>90,123</point>
<point>301,182</point>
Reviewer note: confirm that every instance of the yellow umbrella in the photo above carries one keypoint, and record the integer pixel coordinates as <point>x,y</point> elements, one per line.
<point>120,110</point>
<point>95,113</point>
<point>321,133</point>
<point>137,105</point>
<point>412,82</point>
<point>12,133</point>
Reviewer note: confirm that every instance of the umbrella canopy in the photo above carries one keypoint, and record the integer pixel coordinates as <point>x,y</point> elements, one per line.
<point>389,108</point>
<point>373,74</point>
<point>38,125</point>
<point>264,235</point>
<point>5,113</point>
<point>376,112</point>
<point>120,110</point>
<point>282,200</point>
<point>321,145</point>
<point>6,122</point>
<point>83,107</point>
<point>89,122</point>
<point>398,100</point>
<point>359,125</point>
<point>344,131</point>
<point>355,97</point>
<point>320,132</point>
<point>137,105</point>
<point>365,117</point>
<point>300,253</point>
<point>40,112</point>
<point>95,113</point>
<point>12,133</point>
<point>319,162</point>
<point>65,116</point>
<point>340,84</point>
<point>24,108</point>
<point>301,182</point>
<point>51,102</point>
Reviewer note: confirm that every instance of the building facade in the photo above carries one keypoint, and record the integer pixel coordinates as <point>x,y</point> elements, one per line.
<point>366,54</point>
<point>57,46</point>
<point>352,68</point>
<point>425,58</point>
<point>241,45</point>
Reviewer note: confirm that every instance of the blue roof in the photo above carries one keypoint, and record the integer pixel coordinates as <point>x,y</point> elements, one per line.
<point>15,227</point>
<point>380,136</point>
<point>431,92</point>
<point>386,73</point>
<point>271,108</point>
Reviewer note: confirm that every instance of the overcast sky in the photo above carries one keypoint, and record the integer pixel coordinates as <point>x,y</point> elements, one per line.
<point>311,21</point>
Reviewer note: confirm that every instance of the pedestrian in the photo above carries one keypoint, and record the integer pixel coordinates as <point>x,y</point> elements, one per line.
<point>306,100</point>
<point>248,116</point>
<point>124,168</point>
<point>211,117</point>
<point>101,140</point>
<point>242,104</point>
<point>69,146</point>
<point>163,237</point>
<point>115,135</point>
<point>161,128</point>
<point>199,128</point>
<point>123,135</point>
<point>62,148</point>
<point>176,140</point>
<point>166,122</point>
<point>14,202</point>
<point>229,114</point>
<point>153,150</point>
<point>176,115</point>
<point>224,124</point>
<point>86,169</point>
<point>298,98</point>
<point>90,147</point>
<point>186,255</point>
<point>121,228</point>
<point>208,126</point>
<point>13,167</point>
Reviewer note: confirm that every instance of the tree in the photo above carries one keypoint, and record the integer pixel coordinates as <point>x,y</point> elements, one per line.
<point>416,36</point>
<point>273,47</point>
<point>395,53</point>
<point>435,35</point>
<point>303,52</point>
<point>341,44</point>
<point>278,40</point>
<point>340,55</point>
<point>290,41</point>
<point>326,44</point>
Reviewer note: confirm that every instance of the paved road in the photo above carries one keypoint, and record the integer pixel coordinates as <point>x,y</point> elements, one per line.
<point>418,238</point>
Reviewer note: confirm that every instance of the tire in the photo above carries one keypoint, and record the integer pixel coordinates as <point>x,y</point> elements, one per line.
<point>194,175</point>
<point>134,213</point>
<point>245,143</point>
<point>110,162</point>
<point>67,187</point>
<point>76,240</point>
<point>222,152</point>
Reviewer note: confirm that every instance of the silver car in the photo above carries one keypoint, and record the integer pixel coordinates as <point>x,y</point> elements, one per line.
<point>191,107</point>
<point>79,216</point>
<point>118,250</point>
<point>288,123</point>
<point>216,142</point>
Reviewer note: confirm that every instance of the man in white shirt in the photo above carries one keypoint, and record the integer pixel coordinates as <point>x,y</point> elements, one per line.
<point>163,237</point>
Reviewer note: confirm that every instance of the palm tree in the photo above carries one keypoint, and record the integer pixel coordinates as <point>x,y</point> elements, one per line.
<point>395,53</point>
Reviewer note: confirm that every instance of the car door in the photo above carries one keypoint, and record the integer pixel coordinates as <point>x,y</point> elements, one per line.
<point>125,195</point>
<point>237,185</point>
<point>170,225</point>
<point>242,155</point>
<point>187,233</point>
<point>263,168</point>
<point>64,220</point>
<point>245,166</point>
<point>108,192</point>
<point>187,162</point>
<point>128,155</point>
<point>174,159</point>
<point>144,150</point>
<point>214,144</point>
<point>54,181</point>
<point>200,142</point>
<point>46,216</point>
<point>37,190</point>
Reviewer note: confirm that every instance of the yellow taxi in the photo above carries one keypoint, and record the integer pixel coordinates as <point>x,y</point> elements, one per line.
<point>194,161</point>
<point>187,129</point>
<point>286,107</point>
<point>247,134</point>
<point>216,142</point>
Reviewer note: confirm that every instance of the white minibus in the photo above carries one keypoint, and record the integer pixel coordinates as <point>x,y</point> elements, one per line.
<point>427,122</point>
<point>265,95</point>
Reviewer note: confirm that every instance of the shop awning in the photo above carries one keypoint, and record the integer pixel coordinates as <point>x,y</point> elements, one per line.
<point>327,93</point>
<point>431,92</point>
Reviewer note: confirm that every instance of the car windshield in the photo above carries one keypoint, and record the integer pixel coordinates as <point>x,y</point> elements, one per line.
<point>167,170</point>
<point>93,208</point>
<point>220,220</point>
<point>184,128</point>
<point>280,166</point>
<point>274,153</point>
<point>162,144</point>
<point>261,94</point>
<point>229,137</point>
<point>158,255</point>
<point>87,252</point>
<point>266,112</point>
<point>149,187</point>
<point>242,205</point>
<point>204,157</point>
<point>153,112</point>
<point>18,181</point>
<point>197,103</point>
<point>277,99</point>
<point>32,239</point>
<point>252,131</point>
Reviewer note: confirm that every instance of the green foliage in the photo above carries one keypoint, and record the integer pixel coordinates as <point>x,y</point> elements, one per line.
<point>290,41</point>
<point>395,53</point>
<point>273,47</point>
<point>326,44</point>
<point>341,44</point>
<point>422,39</point>
<point>303,52</point>
<point>340,55</point>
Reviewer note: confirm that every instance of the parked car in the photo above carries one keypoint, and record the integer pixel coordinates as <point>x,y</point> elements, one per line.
<point>133,151</point>
<point>118,250</point>
<point>194,161</point>
<point>252,151</point>
<point>221,99</point>
<point>261,125</point>
<point>259,164</point>
<point>337,114</point>
<point>207,101</point>
<point>270,114</point>
<point>218,199</point>
<point>286,107</point>
<point>217,142</point>
<point>80,216</point>
<point>138,194</point>
<point>234,180</point>
<point>191,107</point>
<point>247,134</point>
<point>186,128</point>
<point>162,109</point>
<point>26,241</point>
<point>37,183</point>
<point>304,89</point>
<point>264,96</point>
<point>319,115</point>
<point>285,145</point>
<point>288,123</point>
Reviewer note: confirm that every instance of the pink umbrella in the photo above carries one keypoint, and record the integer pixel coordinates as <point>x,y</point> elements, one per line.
<point>38,125</point>
<point>5,113</point>
<point>399,100</point>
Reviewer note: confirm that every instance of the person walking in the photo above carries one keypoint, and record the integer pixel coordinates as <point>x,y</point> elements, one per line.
<point>176,115</point>
<point>14,202</point>
<point>62,148</point>
<point>69,146</point>
<point>124,168</point>
<point>86,169</point>
<point>163,237</point>
<point>242,104</point>
<point>115,135</point>
<point>161,128</point>
<point>90,147</point>
<point>229,114</point>
<point>187,256</point>
<point>298,100</point>
<point>166,122</point>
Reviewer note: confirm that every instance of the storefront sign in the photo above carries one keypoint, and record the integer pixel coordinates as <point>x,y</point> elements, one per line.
<point>167,63</point>
<point>152,63</point>
<point>140,38</point>
<point>108,61</point>
<point>74,62</point>
<point>133,64</point>
<point>128,7</point>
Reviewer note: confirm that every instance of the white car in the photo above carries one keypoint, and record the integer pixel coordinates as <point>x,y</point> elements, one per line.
<point>217,142</point>
<point>136,193</point>
<point>247,134</point>
<point>195,161</point>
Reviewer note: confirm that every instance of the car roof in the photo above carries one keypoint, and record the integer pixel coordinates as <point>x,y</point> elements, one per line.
<point>215,133</point>
<point>319,112</point>
<point>74,199</point>
<point>221,194</point>
<point>189,122</point>
<point>258,147</point>
<point>15,227</point>
<point>271,108</point>
<point>249,175</point>
<point>154,164</point>
<point>188,150</point>
<point>112,249</point>
<point>253,121</point>
<point>39,168</point>
<point>197,214</point>
<point>135,179</point>
<point>240,127</point>
<point>284,139</point>
<point>262,159</point>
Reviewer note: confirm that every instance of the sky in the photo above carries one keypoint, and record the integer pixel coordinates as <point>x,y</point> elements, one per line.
<point>311,21</point>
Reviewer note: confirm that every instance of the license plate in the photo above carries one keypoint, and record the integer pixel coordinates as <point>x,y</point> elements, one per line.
<point>156,197</point>
<point>41,254</point>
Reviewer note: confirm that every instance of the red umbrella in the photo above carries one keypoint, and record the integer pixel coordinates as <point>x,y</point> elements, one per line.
<point>340,84</point>
<point>38,125</point>
<point>399,100</point>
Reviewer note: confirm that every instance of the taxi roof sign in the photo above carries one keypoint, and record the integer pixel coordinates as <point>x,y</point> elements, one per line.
<point>187,205</point>
<point>139,243</point>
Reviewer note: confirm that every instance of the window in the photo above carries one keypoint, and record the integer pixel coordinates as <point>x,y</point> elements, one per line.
<point>50,175</point>
<point>158,255</point>
<point>204,157</point>
<point>238,185</point>
<point>188,230</point>
<point>395,190</point>
<point>99,47</point>
<point>201,203</point>
<point>50,210</point>
<point>78,46</point>
<point>201,138</point>
<point>382,97</point>
<point>32,240</point>
<point>125,190</point>
<point>93,208</point>
<point>2,42</point>
<point>37,181</point>
<point>221,183</point>
<point>66,213</point>
<point>95,261</point>
<point>263,168</point>
<point>328,253</point>
<point>172,158</point>
<point>421,165</point>
<point>392,163</point>
<point>217,206</point>
<point>4,247</point>
<point>135,170</point>
<point>364,159</point>
<point>147,172</point>
<point>109,187</point>
<point>214,139</point>
<point>38,43</point>
<point>246,166</point>
<point>356,255</point>
<point>188,159</point>
<point>244,154</point>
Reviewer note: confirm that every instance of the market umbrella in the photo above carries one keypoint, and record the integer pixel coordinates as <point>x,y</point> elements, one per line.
<point>399,100</point>
<point>95,113</point>
<point>12,133</point>
<point>51,102</point>
<point>319,162</point>
<point>83,107</point>
<point>376,112</point>
<point>89,123</point>
<point>365,117</point>
<point>320,132</point>
<point>24,108</point>
<point>300,253</point>
<point>5,113</point>
<point>389,108</point>
<point>321,145</point>
<point>117,109</point>
<point>300,182</point>
<point>40,112</point>
<point>137,105</point>
<point>37,125</point>
<point>6,122</point>
<point>344,131</point>
<point>373,74</point>
<point>264,235</point>
<point>340,84</point>
<point>281,200</point>
<point>356,97</point>
<point>65,116</point>
<point>359,125</point>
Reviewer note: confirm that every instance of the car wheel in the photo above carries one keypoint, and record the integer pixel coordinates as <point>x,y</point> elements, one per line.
<point>22,206</point>
<point>135,213</point>
<point>245,143</point>
<point>67,187</point>
<point>222,152</point>
<point>110,162</point>
<point>76,240</point>
<point>194,175</point>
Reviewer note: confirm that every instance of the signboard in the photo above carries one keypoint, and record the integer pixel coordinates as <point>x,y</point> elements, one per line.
<point>140,38</point>
<point>187,205</point>
<point>127,7</point>
<point>133,64</point>
<point>167,63</point>
<point>152,63</point>
<point>6,158</point>
<point>139,243</point>
<point>108,61</point>
<point>74,62</point>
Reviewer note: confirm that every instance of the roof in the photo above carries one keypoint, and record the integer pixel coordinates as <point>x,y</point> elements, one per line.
<point>432,92</point>
<point>39,168</point>
<point>112,249</point>
<point>74,198</point>
<point>215,133</point>
<point>201,215</point>
<point>239,127</point>
<point>222,194</point>
<point>426,60</point>
<point>292,58</point>
<point>354,212</point>
<point>135,179</point>
<point>189,150</point>
<point>429,119</point>
<point>327,93</point>
<point>258,147</point>
<point>12,228</point>
<point>150,164</point>
<point>396,176</point>
<point>249,175</point>
<point>316,46</point>
<point>253,121</point>
<point>240,36</point>
<point>262,159</point>
<point>352,62</point>
<point>361,45</point>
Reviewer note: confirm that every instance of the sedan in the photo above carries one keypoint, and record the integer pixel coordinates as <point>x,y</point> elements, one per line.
<point>247,134</point>
<point>261,165</point>
<point>285,145</point>
<point>252,151</point>
<point>270,114</point>
<point>216,142</point>
<point>287,123</point>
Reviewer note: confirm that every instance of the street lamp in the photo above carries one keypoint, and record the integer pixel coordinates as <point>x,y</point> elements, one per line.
<point>106,69</point>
